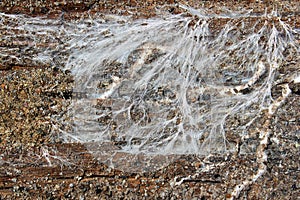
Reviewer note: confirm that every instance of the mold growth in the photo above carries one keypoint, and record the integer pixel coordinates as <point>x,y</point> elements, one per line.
<point>154,89</point>
<point>169,85</point>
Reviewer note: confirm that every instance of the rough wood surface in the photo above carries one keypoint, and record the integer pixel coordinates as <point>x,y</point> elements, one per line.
<point>34,165</point>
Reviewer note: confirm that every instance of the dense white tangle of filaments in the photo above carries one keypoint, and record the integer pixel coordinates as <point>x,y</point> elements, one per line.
<point>172,83</point>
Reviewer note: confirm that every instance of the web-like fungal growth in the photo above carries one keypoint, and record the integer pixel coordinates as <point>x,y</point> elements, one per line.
<point>166,86</point>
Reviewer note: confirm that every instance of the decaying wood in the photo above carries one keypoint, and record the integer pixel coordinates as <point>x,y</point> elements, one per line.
<point>56,170</point>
